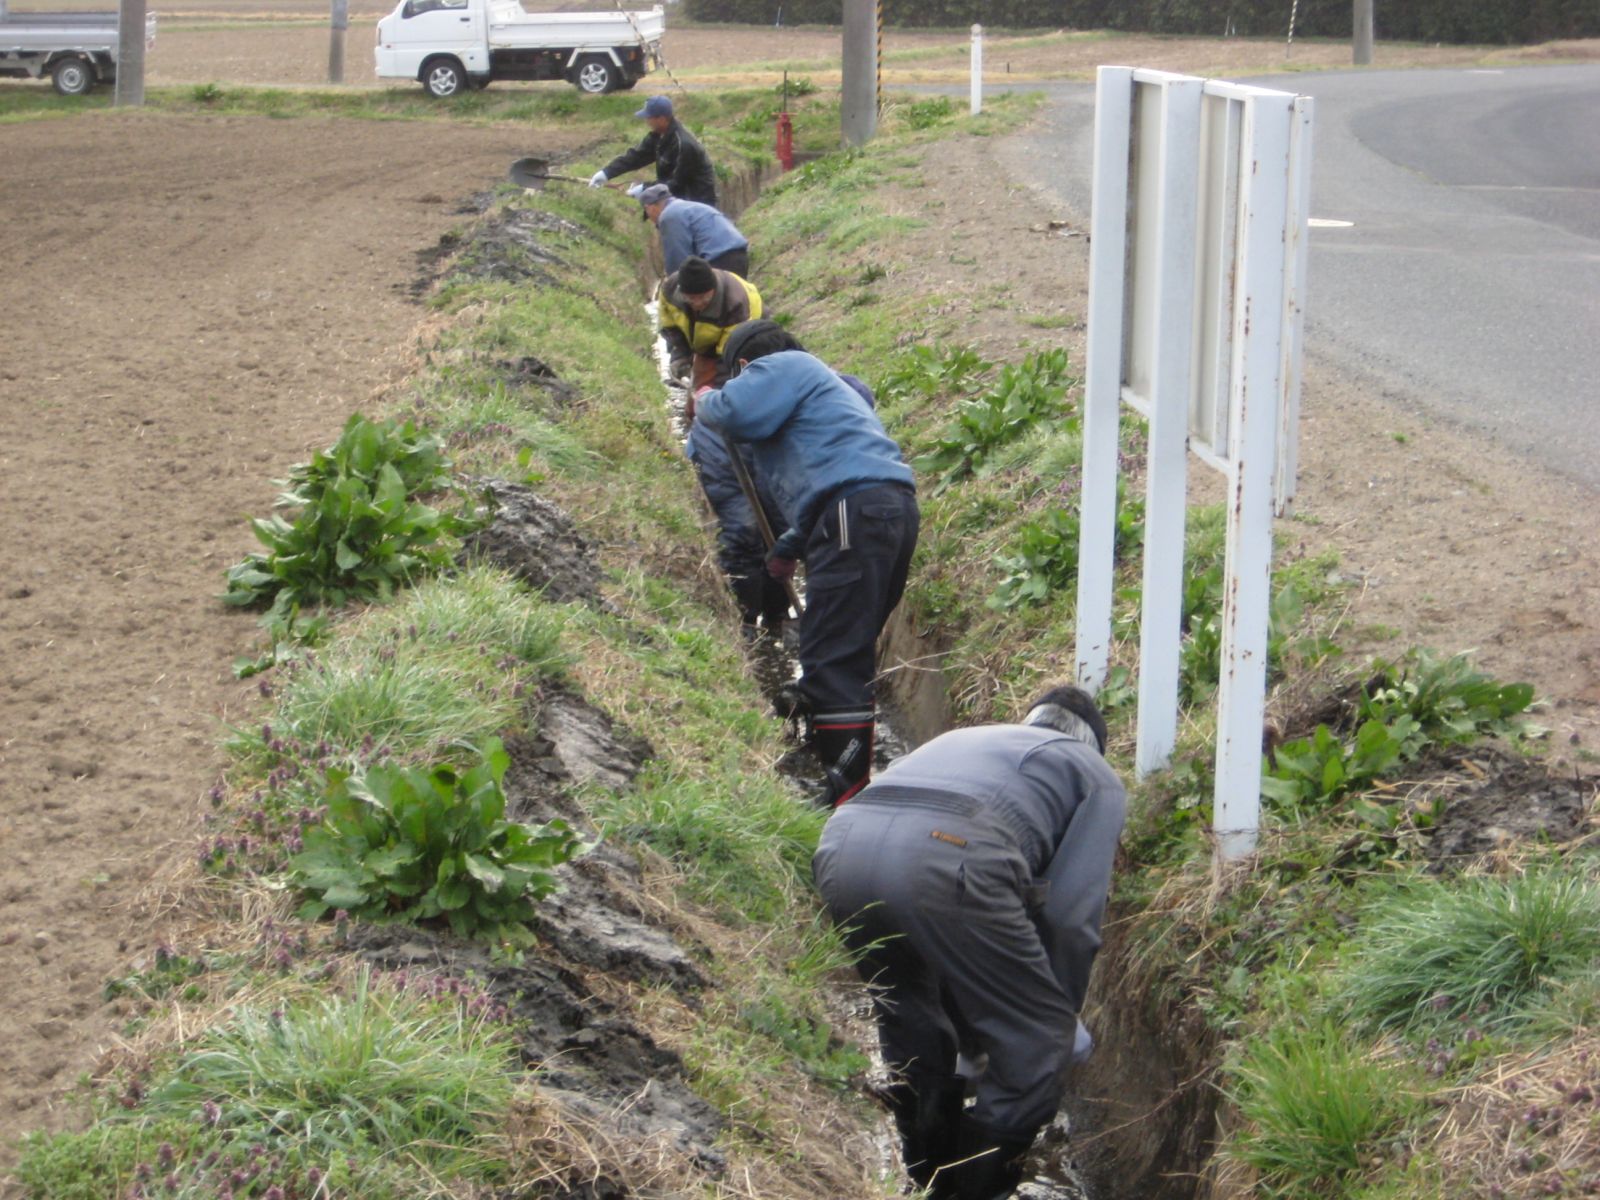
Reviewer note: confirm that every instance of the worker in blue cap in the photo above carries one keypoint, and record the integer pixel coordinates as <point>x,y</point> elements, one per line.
<point>681,161</point>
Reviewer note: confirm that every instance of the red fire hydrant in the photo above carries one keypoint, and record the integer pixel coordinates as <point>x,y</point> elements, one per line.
<point>785,145</point>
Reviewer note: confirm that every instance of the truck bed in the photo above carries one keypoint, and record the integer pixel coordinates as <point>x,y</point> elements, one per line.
<point>48,31</point>
<point>511,25</point>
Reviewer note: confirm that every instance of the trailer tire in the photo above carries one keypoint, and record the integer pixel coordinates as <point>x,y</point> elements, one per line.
<point>443,77</point>
<point>72,76</point>
<point>596,75</point>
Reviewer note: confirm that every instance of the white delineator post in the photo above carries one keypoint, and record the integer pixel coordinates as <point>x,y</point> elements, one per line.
<point>977,70</point>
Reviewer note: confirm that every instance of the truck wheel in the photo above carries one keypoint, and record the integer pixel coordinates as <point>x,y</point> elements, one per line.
<point>443,77</point>
<point>72,76</point>
<point>596,75</point>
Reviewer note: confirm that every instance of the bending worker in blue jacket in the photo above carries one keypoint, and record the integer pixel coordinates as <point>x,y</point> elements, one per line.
<point>841,481</point>
<point>690,229</point>
<point>972,877</point>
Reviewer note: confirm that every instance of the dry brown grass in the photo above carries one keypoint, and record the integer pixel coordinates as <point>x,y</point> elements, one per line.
<point>1530,1126</point>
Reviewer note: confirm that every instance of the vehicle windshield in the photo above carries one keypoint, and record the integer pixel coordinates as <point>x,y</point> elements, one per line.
<point>414,8</point>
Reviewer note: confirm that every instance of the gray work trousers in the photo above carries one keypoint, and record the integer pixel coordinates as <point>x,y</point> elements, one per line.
<point>934,895</point>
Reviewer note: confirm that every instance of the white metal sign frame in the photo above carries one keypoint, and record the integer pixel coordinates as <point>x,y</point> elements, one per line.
<point>1196,275</point>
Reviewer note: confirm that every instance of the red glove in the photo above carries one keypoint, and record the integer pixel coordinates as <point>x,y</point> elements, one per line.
<point>688,405</point>
<point>781,568</point>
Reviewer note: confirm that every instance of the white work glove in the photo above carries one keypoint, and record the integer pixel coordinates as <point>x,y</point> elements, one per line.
<point>597,179</point>
<point>635,190</point>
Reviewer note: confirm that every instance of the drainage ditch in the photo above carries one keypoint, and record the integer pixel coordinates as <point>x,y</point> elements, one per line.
<point>1140,1118</point>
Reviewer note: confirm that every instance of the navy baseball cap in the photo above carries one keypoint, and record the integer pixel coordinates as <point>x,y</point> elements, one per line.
<point>656,106</point>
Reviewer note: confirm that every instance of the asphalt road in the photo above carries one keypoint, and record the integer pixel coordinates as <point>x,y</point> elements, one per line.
<point>1469,281</point>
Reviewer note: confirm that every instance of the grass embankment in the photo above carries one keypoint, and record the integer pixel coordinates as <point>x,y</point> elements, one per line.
<point>265,1058</point>
<point>1379,1012</point>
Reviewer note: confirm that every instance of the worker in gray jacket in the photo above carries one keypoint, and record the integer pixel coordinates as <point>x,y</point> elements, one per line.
<point>971,878</point>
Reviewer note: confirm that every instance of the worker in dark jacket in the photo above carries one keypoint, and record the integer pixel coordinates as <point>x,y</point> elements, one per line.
<point>971,877</point>
<point>681,161</point>
<point>848,494</point>
<point>690,229</point>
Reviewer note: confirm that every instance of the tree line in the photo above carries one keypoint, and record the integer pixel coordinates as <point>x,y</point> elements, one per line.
<point>1472,21</point>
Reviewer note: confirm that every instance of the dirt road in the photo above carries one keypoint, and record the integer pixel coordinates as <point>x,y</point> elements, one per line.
<point>197,303</point>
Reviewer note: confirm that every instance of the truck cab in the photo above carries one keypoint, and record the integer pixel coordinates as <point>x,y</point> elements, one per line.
<point>445,29</point>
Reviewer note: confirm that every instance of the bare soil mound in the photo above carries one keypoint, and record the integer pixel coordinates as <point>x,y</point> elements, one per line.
<point>200,302</point>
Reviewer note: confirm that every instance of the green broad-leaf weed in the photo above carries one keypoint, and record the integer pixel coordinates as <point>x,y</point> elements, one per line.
<point>358,530</point>
<point>413,844</point>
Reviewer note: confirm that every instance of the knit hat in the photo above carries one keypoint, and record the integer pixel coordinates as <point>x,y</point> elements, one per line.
<point>655,194</point>
<point>696,276</point>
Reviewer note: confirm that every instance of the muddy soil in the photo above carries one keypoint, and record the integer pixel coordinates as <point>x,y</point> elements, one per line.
<point>198,303</point>
<point>596,1067</point>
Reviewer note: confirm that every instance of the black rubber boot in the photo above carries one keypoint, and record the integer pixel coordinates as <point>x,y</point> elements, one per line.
<point>927,1113</point>
<point>988,1166</point>
<point>843,745</point>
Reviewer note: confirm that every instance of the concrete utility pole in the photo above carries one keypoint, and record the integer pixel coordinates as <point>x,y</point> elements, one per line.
<point>130,54</point>
<point>858,107</point>
<point>1363,33</point>
<point>337,24</point>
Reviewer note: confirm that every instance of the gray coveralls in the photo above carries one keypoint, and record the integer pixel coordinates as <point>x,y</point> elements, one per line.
<point>972,876</point>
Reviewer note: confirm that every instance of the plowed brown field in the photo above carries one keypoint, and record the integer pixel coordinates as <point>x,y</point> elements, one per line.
<point>195,303</point>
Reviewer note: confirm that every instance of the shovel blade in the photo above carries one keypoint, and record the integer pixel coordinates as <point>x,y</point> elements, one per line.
<point>531,173</point>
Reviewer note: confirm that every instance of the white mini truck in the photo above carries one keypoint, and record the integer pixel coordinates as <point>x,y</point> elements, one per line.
<point>76,49</point>
<point>451,45</point>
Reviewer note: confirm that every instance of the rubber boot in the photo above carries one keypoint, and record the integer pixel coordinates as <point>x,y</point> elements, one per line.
<point>843,745</point>
<point>988,1165</point>
<point>927,1114</point>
